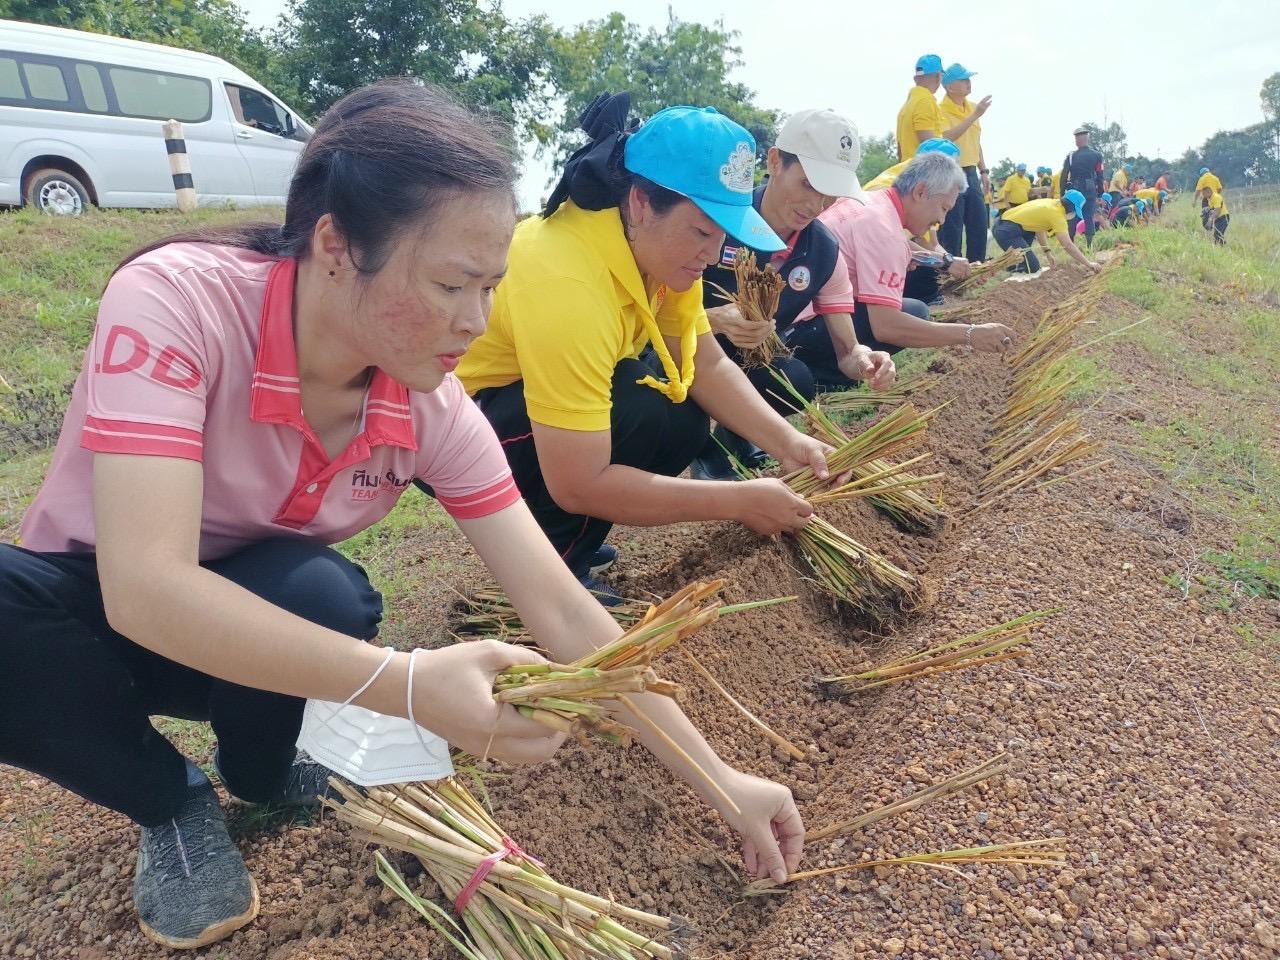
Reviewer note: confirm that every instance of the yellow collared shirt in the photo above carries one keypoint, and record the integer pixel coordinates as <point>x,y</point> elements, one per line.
<point>970,142</point>
<point>1209,180</point>
<point>1017,188</point>
<point>918,114</point>
<point>1039,216</point>
<point>886,178</point>
<point>572,305</point>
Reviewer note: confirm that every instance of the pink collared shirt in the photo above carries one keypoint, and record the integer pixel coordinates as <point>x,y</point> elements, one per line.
<point>870,234</point>
<point>193,357</point>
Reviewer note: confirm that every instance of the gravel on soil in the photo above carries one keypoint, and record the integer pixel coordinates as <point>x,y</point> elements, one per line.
<point>1141,729</point>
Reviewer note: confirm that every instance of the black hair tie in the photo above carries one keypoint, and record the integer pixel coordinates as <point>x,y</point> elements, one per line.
<point>589,176</point>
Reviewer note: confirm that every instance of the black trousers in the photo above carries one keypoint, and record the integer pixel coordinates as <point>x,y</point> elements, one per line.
<point>761,377</point>
<point>648,431</point>
<point>1090,208</point>
<point>1219,227</point>
<point>1009,234</point>
<point>76,697</point>
<point>967,220</point>
<point>812,343</point>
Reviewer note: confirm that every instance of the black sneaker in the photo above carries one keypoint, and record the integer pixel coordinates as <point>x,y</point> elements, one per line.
<point>604,558</point>
<point>308,781</point>
<point>191,887</point>
<point>607,596</point>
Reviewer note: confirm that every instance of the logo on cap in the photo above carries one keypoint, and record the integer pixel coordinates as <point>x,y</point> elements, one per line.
<point>846,141</point>
<point>738,172</point>
<point>798,279</point>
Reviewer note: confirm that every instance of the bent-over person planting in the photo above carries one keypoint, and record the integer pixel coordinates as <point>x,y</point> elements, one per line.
<point>252,395</point>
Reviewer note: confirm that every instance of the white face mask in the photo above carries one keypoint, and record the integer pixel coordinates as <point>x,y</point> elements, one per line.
<point>371,749</point>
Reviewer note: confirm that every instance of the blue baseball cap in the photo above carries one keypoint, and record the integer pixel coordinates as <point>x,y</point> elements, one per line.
<point>1141,205</point>
<point>939,145</point>
<point>1107,197</point>
<point>701,154</point>
<point>1043,170</point>
<point>1020,167</point>
<point>1076,199</point>
<point>929,63</point>
<point>1204,170</point>
<point>1127,166</point>
<point>1163,194</point>
<point>954,72</point>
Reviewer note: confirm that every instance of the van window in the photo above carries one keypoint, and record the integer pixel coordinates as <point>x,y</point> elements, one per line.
<point>95,94</point>
<point>257,110</point>
<point>46,82</point>
<point>10,83</point>
<point>161,96</point>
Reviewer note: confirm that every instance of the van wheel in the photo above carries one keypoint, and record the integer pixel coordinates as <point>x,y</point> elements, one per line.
<point>57,192</point>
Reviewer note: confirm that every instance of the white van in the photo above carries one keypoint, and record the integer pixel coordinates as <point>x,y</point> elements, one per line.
<point>81,119</point>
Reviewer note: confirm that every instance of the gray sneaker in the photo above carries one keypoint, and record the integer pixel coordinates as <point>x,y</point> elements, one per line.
<point>308,781</point>
<point>191,887</point>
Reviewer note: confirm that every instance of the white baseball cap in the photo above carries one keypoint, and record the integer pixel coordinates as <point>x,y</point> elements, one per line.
<point>829,150</point>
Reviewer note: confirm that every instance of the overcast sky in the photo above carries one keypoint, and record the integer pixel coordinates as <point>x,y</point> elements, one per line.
<point>1192,67</point>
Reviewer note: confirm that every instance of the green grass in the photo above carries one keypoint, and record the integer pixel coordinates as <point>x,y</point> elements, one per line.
<point>1213,336</point>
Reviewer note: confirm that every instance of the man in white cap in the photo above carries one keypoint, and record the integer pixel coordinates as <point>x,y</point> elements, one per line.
<point>813,161</point>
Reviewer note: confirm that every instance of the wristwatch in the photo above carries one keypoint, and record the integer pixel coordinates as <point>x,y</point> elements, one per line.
<point>947,260</point>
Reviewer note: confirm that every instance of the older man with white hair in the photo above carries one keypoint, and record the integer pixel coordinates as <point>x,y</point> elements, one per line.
<point>872,232</point>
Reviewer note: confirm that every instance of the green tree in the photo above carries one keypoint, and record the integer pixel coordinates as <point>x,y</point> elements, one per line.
<point>1111,141</point>
<point>878,155</point>
<point>1000,172</point>
<point>684,63</point>
<point>331,47</point>
<point>210,26</point>
<point>1271,97</point>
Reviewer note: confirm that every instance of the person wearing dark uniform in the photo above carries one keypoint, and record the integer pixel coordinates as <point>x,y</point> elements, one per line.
<point>1082,170</point>
<point>814,160</point>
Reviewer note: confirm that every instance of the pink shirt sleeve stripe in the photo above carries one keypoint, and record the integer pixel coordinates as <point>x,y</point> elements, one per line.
<point>882,301</point>
<point>101,440</point>
<point>482,503</point>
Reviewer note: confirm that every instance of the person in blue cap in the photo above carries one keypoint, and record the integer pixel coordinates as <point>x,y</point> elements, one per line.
<point>1082,172</point>
<point>921,118</point>
<point>1042,185</point>
<point>967,220</point>
<point>599,369</point>
<point>1038,220</point>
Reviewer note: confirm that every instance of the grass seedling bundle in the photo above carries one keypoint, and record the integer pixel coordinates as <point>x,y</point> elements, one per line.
<point>952,785</point>
<point>859,397</point>
<point>489,613</point>
<point>980,273</point>
<point>756,298</point>
<point>506,905</point>
<point>1048,852</point>
<point>890,488</point>
<point>1005,641</point>
<point>581,698</point>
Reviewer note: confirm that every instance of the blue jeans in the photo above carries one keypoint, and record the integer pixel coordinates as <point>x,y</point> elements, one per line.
<point>967,220</point>
<point>76,697</point>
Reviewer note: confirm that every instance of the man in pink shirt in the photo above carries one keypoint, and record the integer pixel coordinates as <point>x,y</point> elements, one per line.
<point>872,233</point>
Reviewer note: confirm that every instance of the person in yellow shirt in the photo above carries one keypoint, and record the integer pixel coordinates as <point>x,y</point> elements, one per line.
<point>920,118</point>
<point>1214,214</point>
<point>1055,182</point>
<point>1017,186</point>
<point>1208,179</point>
<point>1038,220</point>
<point>1042,186</point>
<point>1120,181</point>
<point>1154,198</point>
<point>599,369</point>
<point>967,220</point>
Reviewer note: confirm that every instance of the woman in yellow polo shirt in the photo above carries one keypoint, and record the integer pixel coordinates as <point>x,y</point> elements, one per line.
<point>1214,214</point>
<point>1039,220</point>
<point>599,369</point>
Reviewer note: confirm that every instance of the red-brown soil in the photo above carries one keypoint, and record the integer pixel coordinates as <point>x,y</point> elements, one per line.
<point>1144,732</point>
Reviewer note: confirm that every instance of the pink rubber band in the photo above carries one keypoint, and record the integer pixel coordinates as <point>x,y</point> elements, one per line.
<point>509,848</point>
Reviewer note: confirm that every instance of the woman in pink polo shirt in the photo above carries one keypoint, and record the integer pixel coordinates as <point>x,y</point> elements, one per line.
<point>250,396</point>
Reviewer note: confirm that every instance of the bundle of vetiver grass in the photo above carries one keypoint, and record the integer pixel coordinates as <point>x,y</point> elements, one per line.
<point>759,291</point>
<point>890,488</point>
<point>863,396</point>
<point>488,612</point>
<point>1037,432</point>
<point>980,273</point>
<point>581,698</point>
<point>1005,641</point>
<point>507,905</point>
